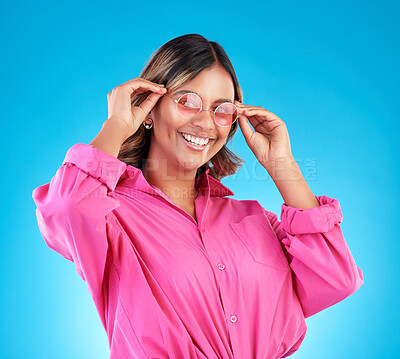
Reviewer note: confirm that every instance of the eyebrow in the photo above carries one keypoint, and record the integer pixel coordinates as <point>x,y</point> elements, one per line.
<point>217,100</point>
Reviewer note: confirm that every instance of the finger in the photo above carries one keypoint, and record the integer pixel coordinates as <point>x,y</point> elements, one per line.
<point>252,108</point>
<point>261,110</point>
<point>148,104</point>
<point>263,117</point>
<point>142,81</point>
<point>245,127</point>
<point>241,111</point>
<point>242,108</point>
<point>141,91</point>
<point>254,119</point>
<point>252,113</point>
<point>136,87</point>
<point>242,105</point>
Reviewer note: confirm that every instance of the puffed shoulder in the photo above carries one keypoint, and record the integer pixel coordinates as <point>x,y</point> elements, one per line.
<point>102,166</point>
<point>311,220</point>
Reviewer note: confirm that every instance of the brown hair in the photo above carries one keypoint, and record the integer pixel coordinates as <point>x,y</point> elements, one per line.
<point>173,64</point>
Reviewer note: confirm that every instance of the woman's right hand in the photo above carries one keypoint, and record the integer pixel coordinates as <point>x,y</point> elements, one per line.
<point>120,107</point>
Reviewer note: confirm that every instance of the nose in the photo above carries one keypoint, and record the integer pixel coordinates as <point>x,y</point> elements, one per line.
<point>205,119</point>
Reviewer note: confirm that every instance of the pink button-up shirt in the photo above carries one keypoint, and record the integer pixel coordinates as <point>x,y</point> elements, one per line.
<point>236,283</point>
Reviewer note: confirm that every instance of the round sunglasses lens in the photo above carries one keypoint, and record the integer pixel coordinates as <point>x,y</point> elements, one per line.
<point>226,114</point>
<point>189,105</point>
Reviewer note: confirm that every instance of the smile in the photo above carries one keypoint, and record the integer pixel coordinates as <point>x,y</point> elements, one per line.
<point>195,143</point>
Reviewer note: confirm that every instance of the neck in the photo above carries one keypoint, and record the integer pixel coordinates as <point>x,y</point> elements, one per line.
<point>177,185</point>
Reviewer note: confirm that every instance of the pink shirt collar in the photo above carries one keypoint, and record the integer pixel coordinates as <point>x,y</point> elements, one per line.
<point>203,181</point>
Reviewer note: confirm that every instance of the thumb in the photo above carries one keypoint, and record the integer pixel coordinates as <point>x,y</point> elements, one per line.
<point>245,127</point>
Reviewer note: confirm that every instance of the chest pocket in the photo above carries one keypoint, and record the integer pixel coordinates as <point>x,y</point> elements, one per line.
<point>257,236</point>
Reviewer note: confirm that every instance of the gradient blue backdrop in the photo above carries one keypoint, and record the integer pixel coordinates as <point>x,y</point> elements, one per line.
<point>329,70</point>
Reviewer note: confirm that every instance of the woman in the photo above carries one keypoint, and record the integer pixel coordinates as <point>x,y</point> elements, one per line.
<point>177,269</point>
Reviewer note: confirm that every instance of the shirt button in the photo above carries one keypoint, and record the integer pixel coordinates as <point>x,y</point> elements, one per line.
<point>221,266</point>
<point>233,318</point>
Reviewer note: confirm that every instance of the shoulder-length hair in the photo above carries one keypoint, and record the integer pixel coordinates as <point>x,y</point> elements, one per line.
<point>173,64</point>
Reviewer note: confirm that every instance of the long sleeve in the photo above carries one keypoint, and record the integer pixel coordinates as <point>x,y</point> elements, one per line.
<point>324,269</point>
<point>72,209</point>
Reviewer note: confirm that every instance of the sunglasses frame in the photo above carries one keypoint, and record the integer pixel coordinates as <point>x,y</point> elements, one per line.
<point>202,108</point>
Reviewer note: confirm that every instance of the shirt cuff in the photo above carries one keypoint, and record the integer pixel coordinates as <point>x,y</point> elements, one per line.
<point>100,165</point>
<point>311,220</point>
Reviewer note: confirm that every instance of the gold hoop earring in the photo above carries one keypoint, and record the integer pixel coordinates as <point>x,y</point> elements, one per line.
<point>148,125</point>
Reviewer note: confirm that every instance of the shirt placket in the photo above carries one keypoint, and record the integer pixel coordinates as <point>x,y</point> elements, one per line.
<point>218,266</point>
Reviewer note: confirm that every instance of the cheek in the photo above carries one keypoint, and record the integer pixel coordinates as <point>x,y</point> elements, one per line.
<point>166,121</point>
<point>163,113</point>
<point>222,138</point>
<point>223,135</point>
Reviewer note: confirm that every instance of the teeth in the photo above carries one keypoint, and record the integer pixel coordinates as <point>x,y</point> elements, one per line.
<point>195,140</point>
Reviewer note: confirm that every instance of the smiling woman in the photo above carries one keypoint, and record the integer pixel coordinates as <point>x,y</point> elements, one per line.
<point>176,64</point>
<point>174,114</point>
<point>175,268</point>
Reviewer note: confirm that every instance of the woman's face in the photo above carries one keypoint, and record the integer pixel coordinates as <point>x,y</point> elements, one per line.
<point>167,143</point>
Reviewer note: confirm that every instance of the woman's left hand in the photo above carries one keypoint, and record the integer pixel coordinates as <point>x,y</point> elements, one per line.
<point>270,139</point>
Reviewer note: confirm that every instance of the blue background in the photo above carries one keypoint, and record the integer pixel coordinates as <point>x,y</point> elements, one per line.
<point>330,71</point>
